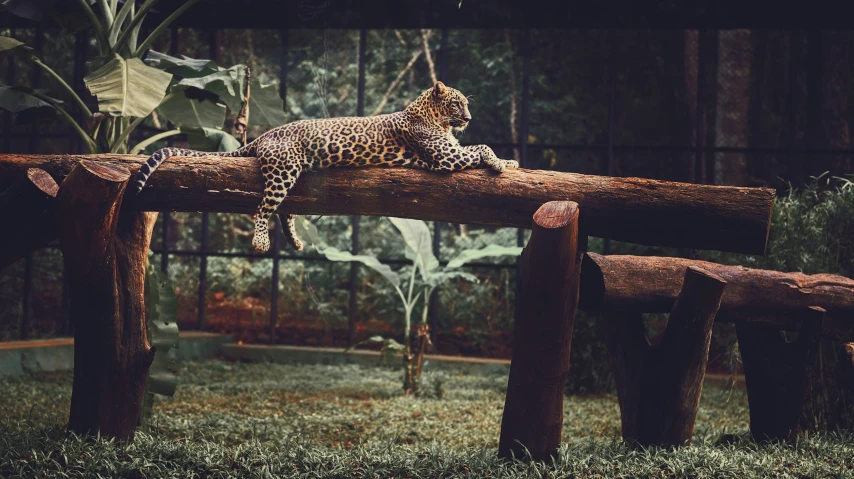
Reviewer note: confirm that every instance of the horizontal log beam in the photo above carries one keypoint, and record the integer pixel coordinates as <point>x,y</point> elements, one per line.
<point>635,210</point>
<point>647,284</point>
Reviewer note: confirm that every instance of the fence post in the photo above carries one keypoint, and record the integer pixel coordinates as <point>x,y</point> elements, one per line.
<point>542,337</point>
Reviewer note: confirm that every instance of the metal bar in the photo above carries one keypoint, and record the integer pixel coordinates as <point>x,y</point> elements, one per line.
<point>203,273</point>
<point>699,163</point>
<point>612,100</point>
<point>354,238</point>
<point>791,103</point>
<point>216,254</point>
<point>433,312</point>
<point>26,300</point>
<point>526,109</point>
<point>164,237</point>
<point>170,141</point>
<point>274,283</point>
<point>80,50</point>
<point>203,250</point>
<point>10,80</point>
<point>35,82</point>
<point>595,147</point>
<point>274,280</point>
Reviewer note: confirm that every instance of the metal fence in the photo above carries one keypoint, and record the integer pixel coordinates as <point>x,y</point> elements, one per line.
<point>699,154</point>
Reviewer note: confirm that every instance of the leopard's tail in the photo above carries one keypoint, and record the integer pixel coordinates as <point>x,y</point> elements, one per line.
<point>162,154</point>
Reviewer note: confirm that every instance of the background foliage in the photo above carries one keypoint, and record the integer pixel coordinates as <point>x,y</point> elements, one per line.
<point>654,133</point>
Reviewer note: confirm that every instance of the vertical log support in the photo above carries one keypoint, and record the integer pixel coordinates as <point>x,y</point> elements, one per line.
<point>542,337</point>
<point>659,386</point>
<point>777,374</point>
<point>105,256</point>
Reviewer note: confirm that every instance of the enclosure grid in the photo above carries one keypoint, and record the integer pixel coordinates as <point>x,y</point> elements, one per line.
<point>701,166</point>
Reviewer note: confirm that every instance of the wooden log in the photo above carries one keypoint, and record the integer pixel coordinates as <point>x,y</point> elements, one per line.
<point>27,207</point>
<point>542,335</point>
<point>627,209</point>
<point>651,284</point>
<point>105,255</point>
<point>777,374</point>
<point>659,387</point>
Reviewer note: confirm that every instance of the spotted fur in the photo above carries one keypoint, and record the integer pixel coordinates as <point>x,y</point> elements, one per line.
<point>420,136</point>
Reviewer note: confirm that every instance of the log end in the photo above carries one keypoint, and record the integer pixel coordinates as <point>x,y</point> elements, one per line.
<point>704,276</point>
<point>43,181</point>
<point>106,171</point>
<point>556,214</point>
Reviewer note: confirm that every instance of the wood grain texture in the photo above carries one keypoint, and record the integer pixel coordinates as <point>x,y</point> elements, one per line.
<point>626,209</point>
<point>659,387</point>
<point>104,252</point>
<point>542,334</point>
<point>649,284</point>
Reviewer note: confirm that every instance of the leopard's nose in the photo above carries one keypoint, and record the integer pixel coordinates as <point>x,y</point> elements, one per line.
<point>467,118</point>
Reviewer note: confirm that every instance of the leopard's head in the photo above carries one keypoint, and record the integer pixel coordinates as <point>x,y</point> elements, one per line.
<point>445,106</point>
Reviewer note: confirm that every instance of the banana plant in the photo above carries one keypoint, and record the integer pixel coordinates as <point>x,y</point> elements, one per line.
<point>424,276</point>
<point>191,93</point>
<point>163,337</point>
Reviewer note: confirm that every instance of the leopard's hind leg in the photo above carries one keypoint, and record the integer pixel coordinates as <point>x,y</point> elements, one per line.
<point>281,167</point>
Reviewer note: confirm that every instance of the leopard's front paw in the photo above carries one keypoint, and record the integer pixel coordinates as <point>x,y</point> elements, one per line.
<point>511,163</point>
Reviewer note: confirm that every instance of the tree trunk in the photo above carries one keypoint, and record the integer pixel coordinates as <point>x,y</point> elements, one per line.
<point>105,255</point>
<point>28,207</point>
<point>777,375</point>
<point>542,336</point>
<point>659,386</point>
<point>646,284</point>
<point>626,209</point>
<point>414,359</point>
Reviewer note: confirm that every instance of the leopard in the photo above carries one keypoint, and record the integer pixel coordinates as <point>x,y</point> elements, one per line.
<point>422,135</point>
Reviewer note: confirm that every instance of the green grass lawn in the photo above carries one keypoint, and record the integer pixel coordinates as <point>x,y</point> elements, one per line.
<point>248,420</point>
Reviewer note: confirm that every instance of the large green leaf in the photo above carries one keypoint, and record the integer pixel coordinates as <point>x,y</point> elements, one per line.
<point>184,67</point>
<point>417,237</point>
<point>162,332</point>
<point>265,106</point>
<point>306,231</point>
<point>9,45</point>
<point>334,254</point>
<point>128,87</point>
<point>227,84</point>
<point>440,277</point>
<point>20,98</point>
<point>211,139</point>
<point>490,250</point>
<point>191,113</point>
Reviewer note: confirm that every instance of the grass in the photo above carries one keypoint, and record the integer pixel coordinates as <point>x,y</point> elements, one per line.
<point>266,420</point>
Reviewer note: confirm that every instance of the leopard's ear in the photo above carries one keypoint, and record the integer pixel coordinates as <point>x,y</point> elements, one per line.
<point>439,89</point>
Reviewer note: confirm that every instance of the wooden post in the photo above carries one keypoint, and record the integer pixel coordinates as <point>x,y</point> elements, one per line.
<point>105,255</point>
<point>659,386</point>
<point>27,206</point>
<point>542,336</point>
<point>777,374</point>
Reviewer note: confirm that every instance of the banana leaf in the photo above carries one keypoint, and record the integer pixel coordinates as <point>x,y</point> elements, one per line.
<point>128,88</point>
